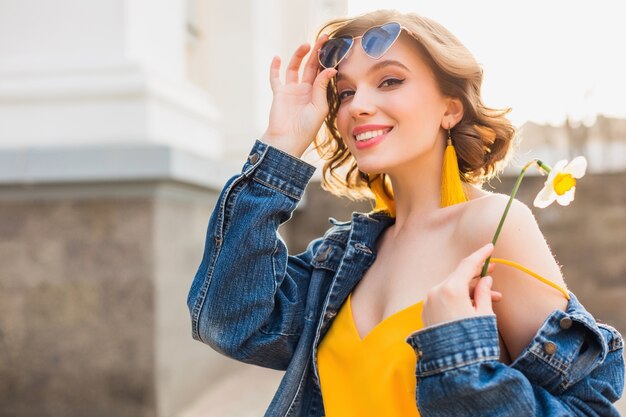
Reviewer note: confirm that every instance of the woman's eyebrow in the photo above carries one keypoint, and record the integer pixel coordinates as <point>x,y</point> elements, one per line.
<point>376,67</point>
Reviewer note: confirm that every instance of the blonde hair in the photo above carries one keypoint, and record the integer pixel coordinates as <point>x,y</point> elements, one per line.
<point>482,138</point>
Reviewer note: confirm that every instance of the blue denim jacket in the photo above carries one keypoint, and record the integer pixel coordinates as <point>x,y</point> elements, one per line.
<point>252,301</point>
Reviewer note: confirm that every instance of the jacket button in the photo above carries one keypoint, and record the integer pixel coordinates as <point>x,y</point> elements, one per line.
<point>253,158</point>
<point>549,348</point>
<point>419,354</point>
<point>322,256</point>
<point>565,323</point>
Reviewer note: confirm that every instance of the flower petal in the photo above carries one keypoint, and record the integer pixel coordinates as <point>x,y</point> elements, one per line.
<point>558,167</point>
<point>545,197</point>
<point>577,167</point>
<point>566,198</point>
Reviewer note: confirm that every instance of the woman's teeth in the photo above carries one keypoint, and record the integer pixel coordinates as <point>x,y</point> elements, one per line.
<point>371,134</point>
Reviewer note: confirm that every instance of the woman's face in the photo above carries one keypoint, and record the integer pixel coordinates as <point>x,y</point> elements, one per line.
<point>398,91</point>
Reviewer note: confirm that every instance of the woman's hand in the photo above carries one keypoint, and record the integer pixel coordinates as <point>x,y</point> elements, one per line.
<point>463,294</point>
<point>298,107</point>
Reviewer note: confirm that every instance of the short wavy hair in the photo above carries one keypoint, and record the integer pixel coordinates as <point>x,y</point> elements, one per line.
<point>482,138</point>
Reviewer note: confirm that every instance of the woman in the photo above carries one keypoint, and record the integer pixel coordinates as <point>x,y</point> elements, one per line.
<point>386,314</point>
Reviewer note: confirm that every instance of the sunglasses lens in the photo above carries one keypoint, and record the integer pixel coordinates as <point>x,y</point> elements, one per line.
<point>377,40</point>
<point>333,51</point>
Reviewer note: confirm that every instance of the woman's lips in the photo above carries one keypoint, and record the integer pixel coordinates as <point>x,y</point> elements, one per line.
<point>372,141</point>
<point>369,128</point>
<point>369,134</point>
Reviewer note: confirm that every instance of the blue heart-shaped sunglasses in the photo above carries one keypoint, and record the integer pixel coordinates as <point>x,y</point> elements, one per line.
<point>375,42</point>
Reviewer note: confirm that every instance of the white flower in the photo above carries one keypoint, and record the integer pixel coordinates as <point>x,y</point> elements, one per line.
<point>561,182</point>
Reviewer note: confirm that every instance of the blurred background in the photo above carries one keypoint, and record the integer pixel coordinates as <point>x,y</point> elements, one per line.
<point>121,120</point>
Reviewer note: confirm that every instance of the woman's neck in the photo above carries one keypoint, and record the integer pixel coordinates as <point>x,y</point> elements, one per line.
<point>417,192</point>
<point>417,188</point>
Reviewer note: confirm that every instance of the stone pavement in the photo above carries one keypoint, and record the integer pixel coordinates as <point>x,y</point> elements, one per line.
<point>246,393</point>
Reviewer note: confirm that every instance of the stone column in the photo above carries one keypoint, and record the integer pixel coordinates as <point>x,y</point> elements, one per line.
<point>120,121</point>
<point>108,173</point>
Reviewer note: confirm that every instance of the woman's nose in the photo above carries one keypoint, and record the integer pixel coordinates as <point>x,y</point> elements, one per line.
<point>361,104</point>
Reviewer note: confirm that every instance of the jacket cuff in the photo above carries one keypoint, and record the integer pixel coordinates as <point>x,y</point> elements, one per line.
<point>278,169</point>
<point>455,344</point>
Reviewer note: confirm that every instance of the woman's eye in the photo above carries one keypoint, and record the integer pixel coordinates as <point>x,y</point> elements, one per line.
<point>392,81</point>
<point>387,83</point>
<point>341,95</point>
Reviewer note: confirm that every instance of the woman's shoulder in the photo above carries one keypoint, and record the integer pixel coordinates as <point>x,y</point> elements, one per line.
<point>520,241</point>
<point>481,216</point>
<point>520,237</point>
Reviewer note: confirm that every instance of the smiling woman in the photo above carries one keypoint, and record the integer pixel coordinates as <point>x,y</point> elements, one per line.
<point>388,314</point>
<point>433,73</point>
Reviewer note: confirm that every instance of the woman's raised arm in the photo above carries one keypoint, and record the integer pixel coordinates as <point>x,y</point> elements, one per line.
<point>248,297</point>
<point>298,107</point>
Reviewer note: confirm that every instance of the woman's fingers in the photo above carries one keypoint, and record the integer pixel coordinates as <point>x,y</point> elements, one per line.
<point>471,266</point>
<point>312,65</point>
<point>311,68</point>
<point>294,65</point>
<point>483,296</point>
<point>495,295</point>
<point>449,299</point>
<point>319,89</point>
<point>275,73</point>
<point>475,280</point>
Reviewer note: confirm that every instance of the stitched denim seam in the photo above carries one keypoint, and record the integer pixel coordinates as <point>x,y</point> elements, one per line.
<point>287,193</point>
<point>552,362</point>
<point>290,409</point>
<point>277,333</point>
<point>459,365</point>
<point>618,340</point>
<point>332,237</point>
<point>275,291</point>
<point>204,289</point>
<point>615,345</point>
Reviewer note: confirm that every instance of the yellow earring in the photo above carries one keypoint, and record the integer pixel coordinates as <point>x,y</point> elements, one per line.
<point>451,185</point>
<point>383,202</point>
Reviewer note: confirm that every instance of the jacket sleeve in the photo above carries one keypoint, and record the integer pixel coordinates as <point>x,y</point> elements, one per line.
<point>578,371</point>
<point>248,296</point>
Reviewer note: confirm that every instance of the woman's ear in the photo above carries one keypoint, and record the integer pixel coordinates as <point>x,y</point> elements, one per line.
<point>454,112</point>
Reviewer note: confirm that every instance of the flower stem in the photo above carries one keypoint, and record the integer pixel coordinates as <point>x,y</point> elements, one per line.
<point>543,166</point>
<point>506,210</point>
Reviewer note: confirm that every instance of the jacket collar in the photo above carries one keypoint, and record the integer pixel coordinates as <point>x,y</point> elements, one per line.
<point>367,227</point>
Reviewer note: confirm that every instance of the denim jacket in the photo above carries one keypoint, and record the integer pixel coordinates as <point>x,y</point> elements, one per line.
<point>252,301</point>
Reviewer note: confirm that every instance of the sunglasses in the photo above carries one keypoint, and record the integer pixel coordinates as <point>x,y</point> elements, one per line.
<point>375,42</point>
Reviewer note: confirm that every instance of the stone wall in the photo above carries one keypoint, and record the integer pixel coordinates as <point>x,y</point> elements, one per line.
<point>93,287</point>
<point>76,307</point>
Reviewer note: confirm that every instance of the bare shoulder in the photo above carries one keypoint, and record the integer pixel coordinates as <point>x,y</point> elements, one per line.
<point>526,301</point>
<point>480,219</point>
<point>520,240</point>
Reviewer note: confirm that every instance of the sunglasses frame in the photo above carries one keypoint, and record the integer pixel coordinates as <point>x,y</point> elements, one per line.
<point>352,42</point>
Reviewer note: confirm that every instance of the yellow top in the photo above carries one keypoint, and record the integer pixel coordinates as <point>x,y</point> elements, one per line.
<point>375,375</point>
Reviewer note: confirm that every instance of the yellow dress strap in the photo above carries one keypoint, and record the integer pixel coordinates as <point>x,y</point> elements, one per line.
<point>534,274</point>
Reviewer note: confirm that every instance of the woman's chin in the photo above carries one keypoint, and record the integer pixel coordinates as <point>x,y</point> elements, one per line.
<point>370,163</point>
<point>371,170</point>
